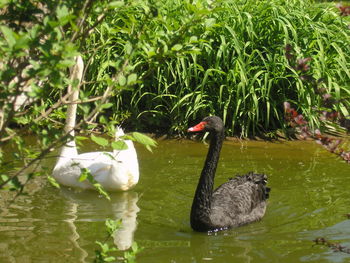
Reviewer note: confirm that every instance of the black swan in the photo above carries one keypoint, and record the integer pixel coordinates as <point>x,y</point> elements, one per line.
<point>239,201</point>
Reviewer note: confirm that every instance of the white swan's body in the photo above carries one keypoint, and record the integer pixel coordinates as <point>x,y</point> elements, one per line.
<point>117,170</point>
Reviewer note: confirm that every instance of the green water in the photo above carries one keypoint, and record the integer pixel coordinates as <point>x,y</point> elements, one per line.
<point>310,195</point>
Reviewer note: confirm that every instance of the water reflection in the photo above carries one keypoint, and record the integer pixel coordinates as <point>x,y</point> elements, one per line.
<point>74,237</point>
<point>338,232</point>
<point>214,247</point>
<point>310,195</point>
<point>87,207</point>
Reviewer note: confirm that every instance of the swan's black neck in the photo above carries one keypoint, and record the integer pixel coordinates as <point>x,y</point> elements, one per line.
<point>200,211</point>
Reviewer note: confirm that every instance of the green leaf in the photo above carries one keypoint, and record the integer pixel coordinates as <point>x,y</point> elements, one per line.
<point>106,105</point>
<point>102,191</point>
<point>53,181</point>
<point>119,145</point>
<point>15,184</point>
<point>83,176</point>
<point>145,140</point>
<point>210,22</point>
<point>62,11</point>
<point>4,177</point>
<point>112,225</point>
<point>4,3</point>
<point>176,47</point>
<point>128,48</point>
<point>80,138</point>
<point>109,259</point>
<point>9,35</point>
<point>99,140</point>
<point>134,246</point>
<point>151,53</point>
<point>22,42</point>
<point>132,78</point>
<point>193,39</point>
<point>99,243</point>
<point>122,80</point>
<point>115,4</point>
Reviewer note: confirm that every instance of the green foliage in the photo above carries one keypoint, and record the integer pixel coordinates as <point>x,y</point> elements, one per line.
<point>130,255</point>
<point>99,140</point>
<point>53,181</point>
<point>225,58</point>
<point>103,254</point>
<point>86,175</point>
<point>119,145</point>
<point>36,50</point>
<point>144,139</point>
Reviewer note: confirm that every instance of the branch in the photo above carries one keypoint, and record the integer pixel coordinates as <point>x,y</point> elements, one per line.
<point>84,11</point>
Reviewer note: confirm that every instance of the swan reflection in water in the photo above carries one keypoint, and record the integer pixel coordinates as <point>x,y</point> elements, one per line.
<point>87,207</point>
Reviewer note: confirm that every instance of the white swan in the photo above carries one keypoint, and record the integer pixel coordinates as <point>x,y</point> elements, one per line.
<point>117,170</point>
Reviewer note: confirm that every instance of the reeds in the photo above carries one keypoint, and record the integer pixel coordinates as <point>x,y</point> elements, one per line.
<point>228,58</point>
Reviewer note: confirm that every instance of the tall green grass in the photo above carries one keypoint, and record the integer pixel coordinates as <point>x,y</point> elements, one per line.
<point>195,58</point>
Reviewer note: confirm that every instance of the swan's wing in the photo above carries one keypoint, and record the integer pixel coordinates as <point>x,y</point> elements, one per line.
<point>240,200</point>
<point>113,172</point>
<point>69,169</point>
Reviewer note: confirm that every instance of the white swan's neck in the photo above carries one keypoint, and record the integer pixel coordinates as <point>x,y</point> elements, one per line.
<point>119,132</point>
<point>76,75</point>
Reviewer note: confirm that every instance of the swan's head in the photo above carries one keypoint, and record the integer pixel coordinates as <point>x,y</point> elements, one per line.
<point>208,124</point>
<point>118,132</point>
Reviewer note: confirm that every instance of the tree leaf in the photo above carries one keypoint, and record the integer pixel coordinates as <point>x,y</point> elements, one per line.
<point>106,105</point>
<point>61,11</point>
<point>101,191</point>
<point>147,141</point>
<point>53,181</point>
<point>119,145</point>
<point>122,80</point>
<point>99,140</point>
<point>176,47</point>
<point>109,259</point>
<point>128,48</point>
<point>210,22</point>
<point>115,4</point>
<point>132,78</point>
<point>9,35</point>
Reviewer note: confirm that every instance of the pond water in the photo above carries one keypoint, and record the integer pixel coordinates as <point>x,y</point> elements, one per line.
<point>309,198</point>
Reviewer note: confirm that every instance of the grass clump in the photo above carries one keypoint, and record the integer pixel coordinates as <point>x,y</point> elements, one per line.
<point>228,58</point>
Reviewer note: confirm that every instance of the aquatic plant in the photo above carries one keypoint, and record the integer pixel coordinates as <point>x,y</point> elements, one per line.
<point>103,253</point>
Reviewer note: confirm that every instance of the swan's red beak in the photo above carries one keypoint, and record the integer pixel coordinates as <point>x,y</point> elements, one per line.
<point>199,127</point>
